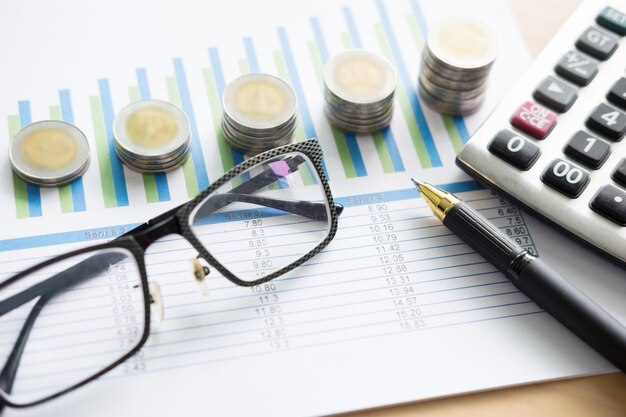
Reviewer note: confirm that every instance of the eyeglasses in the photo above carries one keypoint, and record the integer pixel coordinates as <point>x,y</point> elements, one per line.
<point>57,316</point>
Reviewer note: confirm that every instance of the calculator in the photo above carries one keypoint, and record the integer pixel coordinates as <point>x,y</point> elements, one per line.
<point>555,145</point>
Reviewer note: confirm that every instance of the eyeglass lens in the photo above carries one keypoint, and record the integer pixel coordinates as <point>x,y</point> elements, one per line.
<point>255,231</point>
<point>82,314</point>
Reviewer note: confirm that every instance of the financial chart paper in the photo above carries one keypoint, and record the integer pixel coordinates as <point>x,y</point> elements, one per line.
<point>396,309</point>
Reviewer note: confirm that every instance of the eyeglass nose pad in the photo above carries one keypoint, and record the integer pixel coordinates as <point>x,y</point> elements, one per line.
<point>199,273</point>
<point>156,301</point>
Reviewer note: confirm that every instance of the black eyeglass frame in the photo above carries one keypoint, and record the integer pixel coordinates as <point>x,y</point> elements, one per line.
<point>176,221</point>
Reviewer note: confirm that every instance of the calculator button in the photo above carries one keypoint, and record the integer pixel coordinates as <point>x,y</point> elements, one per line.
<point>577,68</point>
<point>555,94</point>
<point>608,121</point>
<point>587,149</point>
<point>597,43</point>
<point>610,201</point>
<point>617,94</point>
<point>534,119</point>
<point>613,20</point>
<point>619,175</point>
<point>514,149</point>
<point>565,177</point>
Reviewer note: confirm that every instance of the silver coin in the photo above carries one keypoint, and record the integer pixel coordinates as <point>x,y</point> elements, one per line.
<point>453,108</point>
<point>448,94</point>
<point>49,153</point>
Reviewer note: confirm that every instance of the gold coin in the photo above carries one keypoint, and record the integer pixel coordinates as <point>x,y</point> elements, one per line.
<point>260,100</point>
<point>151,127</point>
<point>49,148</point>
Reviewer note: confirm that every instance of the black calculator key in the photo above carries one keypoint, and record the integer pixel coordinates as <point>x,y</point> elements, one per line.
<point>556,94</point>
<point>587,149</point>
<point>619,175</point>
<point>514,149</point>
<point>610,201</point>
<point>613,20</point>
<point>608,121</point>
<point>577,68</point>
<point>617,94</point>
<point>565,177</point>
<point>597,43</point>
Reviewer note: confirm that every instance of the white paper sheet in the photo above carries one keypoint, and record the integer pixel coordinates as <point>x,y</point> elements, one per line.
<point>349,335</point>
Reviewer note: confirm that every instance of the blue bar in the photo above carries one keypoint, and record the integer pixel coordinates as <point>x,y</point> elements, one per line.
<point>196,148</point>
<point>142,84</point>
<point>305,116</point>
<point>77,188</point>
<point>163,190</point>
<point>394,152</point>
<point>458,120</point>
<point>460,126</point>
<point>351,142</point>
<point>433,155</point>
<point>119,180</point>
<point>220,85</point>
<point>253,62</point>
<point>111,232</point>
<point>356,39</point>
<point>32,191</point>
<point>390,141</point>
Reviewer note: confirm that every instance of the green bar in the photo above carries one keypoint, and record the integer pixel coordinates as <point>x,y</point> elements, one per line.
<point>453,132</point>
<point>340,141</point>
<point>216,113</point>
<point>55,112</point>
<point>19,186</point>
<point>102,149</point>
<point>65,191</point>
<point>133,93</point>
<point>244,68</point>
<point>415,31</point>
<point>189,172</point>
<point>347,40</point>
<point>299,133</point>
<point>383,152</point>
<point>416,137</point>
<point>149,183</point>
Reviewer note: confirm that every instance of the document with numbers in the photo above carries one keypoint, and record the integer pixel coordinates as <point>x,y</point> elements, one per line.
<point>395,309</point>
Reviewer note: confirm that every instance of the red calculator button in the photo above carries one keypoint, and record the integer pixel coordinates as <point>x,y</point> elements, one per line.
<point>534,119</point>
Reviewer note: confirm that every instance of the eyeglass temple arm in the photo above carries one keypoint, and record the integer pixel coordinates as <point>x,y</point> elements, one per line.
<point>9,371</point>
<point>310,209</point>
<point>47,290</point>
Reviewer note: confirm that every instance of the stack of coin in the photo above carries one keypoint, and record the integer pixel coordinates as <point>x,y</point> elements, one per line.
<point>152,136</point>
<point>456,61</point>
<point>358,89</point>
<point>260,113</point>
<point>49,153</point>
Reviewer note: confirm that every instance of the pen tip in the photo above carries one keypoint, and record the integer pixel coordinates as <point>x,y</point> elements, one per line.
<point>416,182</point>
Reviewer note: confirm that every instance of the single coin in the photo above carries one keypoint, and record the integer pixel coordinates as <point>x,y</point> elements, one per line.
<point>259,101</point>
<point>463,43</point>
<point>360,77</point>
<point>49,153</point>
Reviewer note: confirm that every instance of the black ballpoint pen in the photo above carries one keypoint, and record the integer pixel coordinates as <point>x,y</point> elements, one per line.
<point>553,293</point>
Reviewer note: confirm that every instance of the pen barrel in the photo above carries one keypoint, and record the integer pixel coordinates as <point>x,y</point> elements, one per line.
<point>572,308</point>
<point>482,236</point>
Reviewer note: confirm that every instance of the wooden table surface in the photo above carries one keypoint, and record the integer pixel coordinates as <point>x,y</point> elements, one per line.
<point>604,395</point>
